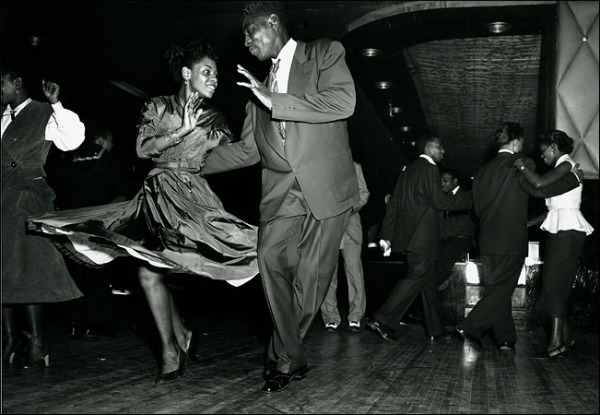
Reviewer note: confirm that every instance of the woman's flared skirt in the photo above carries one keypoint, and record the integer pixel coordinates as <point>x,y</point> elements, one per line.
<point>175,223</point>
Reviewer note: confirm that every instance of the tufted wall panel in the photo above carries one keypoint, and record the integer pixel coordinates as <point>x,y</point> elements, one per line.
<point>577,80</point>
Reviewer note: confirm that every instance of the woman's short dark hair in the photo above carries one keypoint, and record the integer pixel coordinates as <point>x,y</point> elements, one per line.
<point>188,54</point>
<point>563,142</point>
<point>508,132</point>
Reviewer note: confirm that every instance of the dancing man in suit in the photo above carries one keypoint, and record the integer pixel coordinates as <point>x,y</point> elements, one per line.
<point>297,129</point>
<point>457,232</point>
<point>500,198</point>
<point>411,225</point>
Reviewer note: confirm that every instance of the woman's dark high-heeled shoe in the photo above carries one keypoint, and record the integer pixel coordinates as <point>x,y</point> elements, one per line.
<point>556,353</point>
<point>10,348</point>
<point>177,373</point>
<point>183,356</point>
<point>38,351</point>
<point>191,347</point>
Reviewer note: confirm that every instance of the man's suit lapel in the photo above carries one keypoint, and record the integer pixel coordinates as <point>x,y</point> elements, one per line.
<point>298,79</point>
<point>300,71</point>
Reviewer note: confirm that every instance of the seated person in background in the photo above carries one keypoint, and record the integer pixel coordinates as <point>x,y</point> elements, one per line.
<point>457,232</point>
<point>95,176</point>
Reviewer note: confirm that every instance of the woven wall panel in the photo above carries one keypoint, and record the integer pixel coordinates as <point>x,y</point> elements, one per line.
<point>467,87</point>
<point>577,106</point>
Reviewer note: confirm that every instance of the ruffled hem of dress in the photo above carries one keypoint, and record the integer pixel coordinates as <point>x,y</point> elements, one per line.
<point>566,220</point>
<point>94,250</point>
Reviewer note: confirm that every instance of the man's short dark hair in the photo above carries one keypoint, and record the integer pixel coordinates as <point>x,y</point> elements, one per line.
<point>424,141</point>
<point>451,172</point>
<point>17,67</point>
<point>508,132</point>
<point>253,9</point>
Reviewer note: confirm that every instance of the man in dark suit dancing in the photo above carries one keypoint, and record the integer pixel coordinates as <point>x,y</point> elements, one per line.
<point>309,186</point>
<point>500,197</point>
<point>412,225</point>
<point>457,231</point>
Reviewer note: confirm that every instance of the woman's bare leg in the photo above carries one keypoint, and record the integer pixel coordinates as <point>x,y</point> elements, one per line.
<point>160,302</point>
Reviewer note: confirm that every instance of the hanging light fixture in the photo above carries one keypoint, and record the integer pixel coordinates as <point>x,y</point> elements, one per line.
<point>370,52</point>
<point>35,40</point>
<point>498,27</point>
<point>383,85</point>
<point>393,111</point>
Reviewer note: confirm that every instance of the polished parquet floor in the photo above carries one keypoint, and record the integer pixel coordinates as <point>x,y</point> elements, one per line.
<point>349,372</point>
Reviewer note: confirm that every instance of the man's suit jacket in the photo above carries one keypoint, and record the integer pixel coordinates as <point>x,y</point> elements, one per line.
<point>413,213</point>
<point>500,198</point>
<point>458,223</point>
<point>320,97</point>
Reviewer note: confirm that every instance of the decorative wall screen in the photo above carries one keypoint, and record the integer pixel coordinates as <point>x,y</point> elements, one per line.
<point>577,80</point>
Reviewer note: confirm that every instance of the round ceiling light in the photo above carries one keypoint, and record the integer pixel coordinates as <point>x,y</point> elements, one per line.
<point>406,128</point>
<point>370,52</point>
<point>393,111</point>
<point>383,85</point>
<point>498,27</point>
<point>35,40</point>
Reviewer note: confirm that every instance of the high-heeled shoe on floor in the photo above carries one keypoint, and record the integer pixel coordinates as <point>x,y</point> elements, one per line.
<point>10,348</point>
<point>190,348</point>
<point>177,373</point>
<point>556,353</point>
<point>38,351</point>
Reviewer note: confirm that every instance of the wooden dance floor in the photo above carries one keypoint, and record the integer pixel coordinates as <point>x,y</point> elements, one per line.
<point>348,372</point>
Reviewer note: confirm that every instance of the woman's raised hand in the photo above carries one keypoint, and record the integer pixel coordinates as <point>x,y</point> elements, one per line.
<point>191,112</point>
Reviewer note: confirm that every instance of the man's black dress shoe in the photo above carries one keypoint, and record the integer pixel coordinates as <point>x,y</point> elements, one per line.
<point>507,346</point>
<point>474,342</point>
<point>270,370</point>
<point>411,319</point>
<point>278,381</point>
<point>381,329</point>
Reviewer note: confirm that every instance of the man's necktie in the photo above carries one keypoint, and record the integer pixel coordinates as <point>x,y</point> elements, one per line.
<point>12,115</point>
<point>272,84</point>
